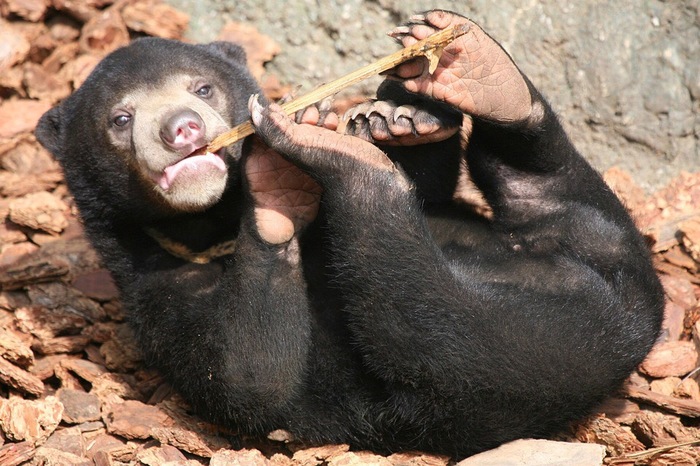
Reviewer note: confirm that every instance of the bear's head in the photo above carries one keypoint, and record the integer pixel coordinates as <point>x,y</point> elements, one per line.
<point>132,136</point>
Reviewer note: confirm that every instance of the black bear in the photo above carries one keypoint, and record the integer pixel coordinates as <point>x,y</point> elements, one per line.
<point>333,285</point>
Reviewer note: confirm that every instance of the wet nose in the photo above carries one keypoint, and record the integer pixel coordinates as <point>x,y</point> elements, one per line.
<point>183,130</point>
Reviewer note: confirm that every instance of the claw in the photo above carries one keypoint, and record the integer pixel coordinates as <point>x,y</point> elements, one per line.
<point>399,31</point>
<point>382,108</point>
<point>354,112</point>
<point>406,111</point>
<point>325,105</point>
<point>255,109</point>
<point>359,128</point>
<point>417,19</point>
<point>366,109</point>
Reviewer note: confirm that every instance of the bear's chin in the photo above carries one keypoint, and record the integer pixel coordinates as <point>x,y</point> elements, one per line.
<point>195,191</point>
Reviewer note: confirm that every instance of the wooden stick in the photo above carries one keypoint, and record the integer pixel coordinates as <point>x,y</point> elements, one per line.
<point>680,406</point>
<point>430,47</point>
<point>631,457</point>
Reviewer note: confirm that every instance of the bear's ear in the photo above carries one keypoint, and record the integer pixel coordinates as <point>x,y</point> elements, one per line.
<point>227,50</point>
<point>49,131</point>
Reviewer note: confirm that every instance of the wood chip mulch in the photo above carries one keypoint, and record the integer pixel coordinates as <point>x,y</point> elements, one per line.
<point>73,389</point>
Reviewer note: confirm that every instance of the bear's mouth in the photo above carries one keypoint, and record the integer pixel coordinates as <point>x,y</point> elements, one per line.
<point>199,161</point>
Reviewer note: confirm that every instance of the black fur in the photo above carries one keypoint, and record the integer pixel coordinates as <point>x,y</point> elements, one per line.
<point>410,323</point>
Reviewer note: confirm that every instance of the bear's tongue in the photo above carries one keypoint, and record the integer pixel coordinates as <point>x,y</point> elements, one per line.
<point>192,163</point>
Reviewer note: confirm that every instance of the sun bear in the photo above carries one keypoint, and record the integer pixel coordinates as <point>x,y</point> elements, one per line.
<point>333,284</point>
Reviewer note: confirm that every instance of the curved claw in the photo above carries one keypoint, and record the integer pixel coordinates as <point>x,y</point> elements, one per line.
<point>325,105</point>
<point>383,108</point>
<point>417,18</point>
<point>406,111</point>
<point>255,109</point>
<point>383,122</point>
<point>316,114</point>
<point>399,31</point>
<point>360,109</point>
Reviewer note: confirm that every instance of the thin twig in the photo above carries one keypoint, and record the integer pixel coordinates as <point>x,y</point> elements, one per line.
<point>430,47</point>
<point>651,452</point>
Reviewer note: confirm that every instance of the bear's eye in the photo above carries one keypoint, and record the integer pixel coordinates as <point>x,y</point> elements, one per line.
<point>121,120</point>
<point>203,91</point>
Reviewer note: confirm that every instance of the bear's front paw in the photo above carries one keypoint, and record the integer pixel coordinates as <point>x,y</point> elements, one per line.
<point>323,153</point>
<point>286,199</point>
<point>320,114</point>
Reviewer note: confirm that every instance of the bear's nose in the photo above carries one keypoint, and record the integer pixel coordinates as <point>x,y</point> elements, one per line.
<point>183,130</point>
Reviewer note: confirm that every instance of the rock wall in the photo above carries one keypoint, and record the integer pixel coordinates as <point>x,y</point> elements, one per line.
<point>624,76</point>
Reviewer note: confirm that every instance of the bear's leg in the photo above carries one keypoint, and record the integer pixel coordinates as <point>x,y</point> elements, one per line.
<point>425,138</point>
<point>485,345</point>
<point>517,151</point>
<point>476,349</point>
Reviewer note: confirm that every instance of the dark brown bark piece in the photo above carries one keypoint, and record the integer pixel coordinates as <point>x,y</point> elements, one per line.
<point>135,420</point>
<point>69,440</point>
<point>658,429</point>
<point>109,446</point>
<point>15,454</point>
<point>603,431</point>
<point>19,379</point>
<point>121,353</point>
<point>79,406</point>
<point>97,284</point>
<point>689,408</point>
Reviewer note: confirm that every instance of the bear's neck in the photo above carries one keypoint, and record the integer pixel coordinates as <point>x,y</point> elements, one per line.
<point>199,237</point>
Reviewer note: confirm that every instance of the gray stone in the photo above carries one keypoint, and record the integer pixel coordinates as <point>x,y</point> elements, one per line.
<point>530,452</point>
<point>624,76</point>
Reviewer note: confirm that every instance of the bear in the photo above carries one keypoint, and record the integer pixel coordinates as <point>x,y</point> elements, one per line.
<point>335,284</point>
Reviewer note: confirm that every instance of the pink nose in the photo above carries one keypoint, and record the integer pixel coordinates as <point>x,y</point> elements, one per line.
<point>183,130</point>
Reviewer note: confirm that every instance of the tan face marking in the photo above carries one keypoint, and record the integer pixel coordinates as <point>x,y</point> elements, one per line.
<point>159,117</point>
